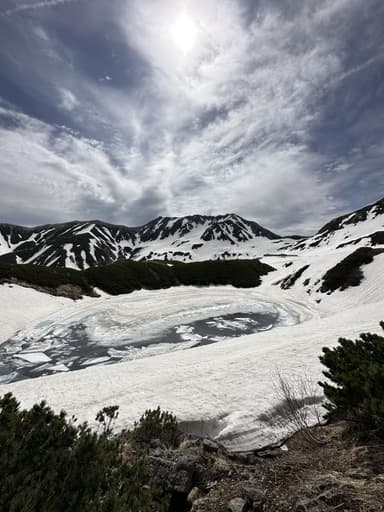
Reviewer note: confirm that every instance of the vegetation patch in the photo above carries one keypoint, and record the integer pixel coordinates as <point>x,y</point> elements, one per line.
<point>290,280</point>
<point>57,281</point>
<point>49,463</point>
<point>127,276</point>
<point>157,425</point>
<point>355,373</point>
<point>348,272</point>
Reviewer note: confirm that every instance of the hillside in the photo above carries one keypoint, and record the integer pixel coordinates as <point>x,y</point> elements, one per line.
<point>362,227</point>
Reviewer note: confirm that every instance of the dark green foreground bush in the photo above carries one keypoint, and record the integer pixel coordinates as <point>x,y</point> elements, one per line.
<point>48,463</point>
<point>157,425</point>
<point>356,372</point>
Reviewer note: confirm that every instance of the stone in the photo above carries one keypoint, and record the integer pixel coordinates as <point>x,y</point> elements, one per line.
<point>201,502</point>
<point>177,476</point>
<point>255,498</point>
<point>194,495</point>
<point>210,446</point>
<point>237,505</point>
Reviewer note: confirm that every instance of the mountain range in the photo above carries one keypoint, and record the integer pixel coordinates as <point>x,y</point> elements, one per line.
<point>84,244</point>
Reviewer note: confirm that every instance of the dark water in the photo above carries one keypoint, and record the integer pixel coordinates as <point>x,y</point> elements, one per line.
<point>76,350</point>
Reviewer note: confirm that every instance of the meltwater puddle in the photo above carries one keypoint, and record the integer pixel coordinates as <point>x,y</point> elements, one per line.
<point>73,348</point>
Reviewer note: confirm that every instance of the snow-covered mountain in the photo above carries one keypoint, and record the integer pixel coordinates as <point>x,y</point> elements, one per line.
<point>364,227</point>
<point>348,252</point>
<point>83,244</point>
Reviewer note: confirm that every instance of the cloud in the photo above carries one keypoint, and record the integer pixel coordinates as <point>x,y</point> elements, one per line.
<point>253,119</point>
<point>51,173</point>
<point>35,5</point>
<point>68,99</point>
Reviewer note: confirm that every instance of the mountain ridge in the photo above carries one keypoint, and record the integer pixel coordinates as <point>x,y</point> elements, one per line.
<point>83,244</point>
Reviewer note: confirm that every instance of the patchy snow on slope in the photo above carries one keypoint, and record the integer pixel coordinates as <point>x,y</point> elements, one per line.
<point>345,232</point>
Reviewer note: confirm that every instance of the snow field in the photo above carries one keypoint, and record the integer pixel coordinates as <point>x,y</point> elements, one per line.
<point>230,382</point>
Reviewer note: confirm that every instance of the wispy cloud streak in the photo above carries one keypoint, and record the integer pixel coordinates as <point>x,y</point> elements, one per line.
<point>36,5</point>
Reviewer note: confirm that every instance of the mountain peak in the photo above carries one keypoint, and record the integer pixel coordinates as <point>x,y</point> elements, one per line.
<point>81,244</point>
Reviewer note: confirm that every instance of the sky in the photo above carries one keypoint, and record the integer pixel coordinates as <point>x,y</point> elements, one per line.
<point>124,110</point>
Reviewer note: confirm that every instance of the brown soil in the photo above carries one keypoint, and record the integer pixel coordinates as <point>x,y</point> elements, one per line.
<point>342,474</point>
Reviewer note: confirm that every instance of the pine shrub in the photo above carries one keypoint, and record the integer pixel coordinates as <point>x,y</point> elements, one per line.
<point>50,464</point>
<point>355,373</point>
<point>157,425</point>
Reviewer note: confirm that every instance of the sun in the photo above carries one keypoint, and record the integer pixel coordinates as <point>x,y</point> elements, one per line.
<point>184,33</point>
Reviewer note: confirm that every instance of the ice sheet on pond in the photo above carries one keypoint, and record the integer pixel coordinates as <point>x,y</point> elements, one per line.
<point>75,348</point>
<point>79,339</point>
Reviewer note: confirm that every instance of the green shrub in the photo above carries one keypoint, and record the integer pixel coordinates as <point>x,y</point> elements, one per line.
<point>128,276</point>
<point>355,370</point>
<point>157,424</point>
<point>50,464</point>
<point>48,278</point>
<point>348,271</point>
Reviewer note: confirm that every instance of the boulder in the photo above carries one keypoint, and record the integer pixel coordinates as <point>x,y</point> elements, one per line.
<point>210,446</point>
<point>254,498</point>
<point>176,476</point>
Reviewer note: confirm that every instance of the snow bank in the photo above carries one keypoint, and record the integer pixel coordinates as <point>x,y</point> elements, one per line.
<point>19,307</point>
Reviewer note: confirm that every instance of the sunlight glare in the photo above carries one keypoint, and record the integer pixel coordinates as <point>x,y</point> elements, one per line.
<point>184,33</point>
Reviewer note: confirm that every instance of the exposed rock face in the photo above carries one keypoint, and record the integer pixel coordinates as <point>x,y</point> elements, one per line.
<point>177,474</point>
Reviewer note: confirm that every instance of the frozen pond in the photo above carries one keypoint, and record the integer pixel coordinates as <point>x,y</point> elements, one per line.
<point>74,347</point>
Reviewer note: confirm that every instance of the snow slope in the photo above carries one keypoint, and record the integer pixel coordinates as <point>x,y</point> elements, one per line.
<point>229,384</point>
<point>226,385</point>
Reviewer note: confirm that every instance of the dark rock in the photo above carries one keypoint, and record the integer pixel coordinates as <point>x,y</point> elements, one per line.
<point>210,446</point>
<point>269,453</point>
<point>176,476</point>
<point>244,458</point>
<point>255,498</point>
